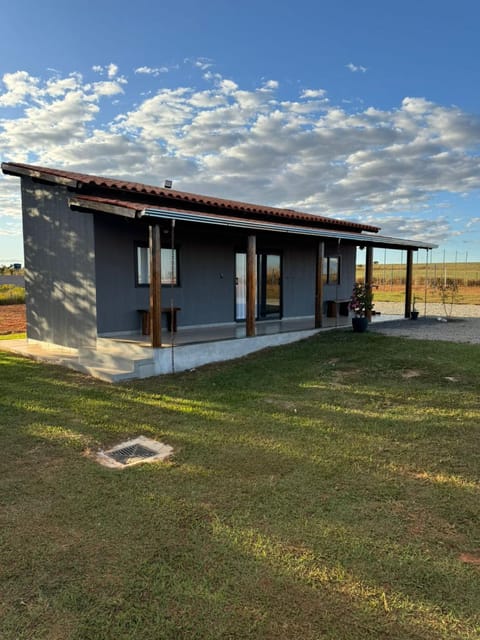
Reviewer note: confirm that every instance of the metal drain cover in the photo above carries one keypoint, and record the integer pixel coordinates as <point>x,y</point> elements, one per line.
<point>133,452</point>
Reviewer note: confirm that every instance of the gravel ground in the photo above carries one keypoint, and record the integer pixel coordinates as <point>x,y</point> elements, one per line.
<point>432,309</point>
<point>463,325</point>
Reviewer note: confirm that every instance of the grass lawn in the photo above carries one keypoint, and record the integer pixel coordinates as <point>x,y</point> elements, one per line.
<point>323,490</point>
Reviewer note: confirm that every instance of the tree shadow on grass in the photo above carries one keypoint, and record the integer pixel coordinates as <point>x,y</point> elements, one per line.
<point>270,522</point>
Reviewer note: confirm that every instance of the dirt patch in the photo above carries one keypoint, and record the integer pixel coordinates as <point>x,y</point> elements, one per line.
<point>13,319</point>
<point>469,558</point>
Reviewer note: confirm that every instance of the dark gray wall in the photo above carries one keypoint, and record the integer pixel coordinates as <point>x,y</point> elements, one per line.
<point>59,267</point>
<point>206,275</point>
<point>117,296</point>
<point>206,288</point>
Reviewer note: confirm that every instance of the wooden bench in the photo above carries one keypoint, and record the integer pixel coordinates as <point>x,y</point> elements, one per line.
<point>337,307</point>
<point>170,312</point>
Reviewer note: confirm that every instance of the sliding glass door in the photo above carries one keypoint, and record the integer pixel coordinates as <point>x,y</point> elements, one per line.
<point>269,286</point>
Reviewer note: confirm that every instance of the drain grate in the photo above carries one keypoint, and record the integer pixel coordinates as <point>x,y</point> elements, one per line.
<point>135,451</point>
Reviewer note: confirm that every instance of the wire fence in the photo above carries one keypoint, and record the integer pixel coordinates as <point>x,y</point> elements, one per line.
<point>394,275</point>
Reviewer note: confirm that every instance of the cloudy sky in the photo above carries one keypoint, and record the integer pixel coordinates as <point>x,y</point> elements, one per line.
<point>364,110</point>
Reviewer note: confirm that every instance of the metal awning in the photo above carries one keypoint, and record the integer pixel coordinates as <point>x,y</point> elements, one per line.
<point>360,239</point>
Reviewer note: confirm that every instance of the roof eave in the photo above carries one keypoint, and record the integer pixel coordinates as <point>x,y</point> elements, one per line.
<point>11,169</point>
<point>81,204</point>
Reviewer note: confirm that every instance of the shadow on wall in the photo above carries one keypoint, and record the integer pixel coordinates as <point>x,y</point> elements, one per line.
<point>59,268</point>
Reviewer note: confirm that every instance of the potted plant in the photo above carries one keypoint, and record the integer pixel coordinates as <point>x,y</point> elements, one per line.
<point>414,312</point>
<point>361,302</point>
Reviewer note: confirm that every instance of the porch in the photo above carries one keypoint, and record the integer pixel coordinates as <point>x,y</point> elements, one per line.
<point>130,356</point>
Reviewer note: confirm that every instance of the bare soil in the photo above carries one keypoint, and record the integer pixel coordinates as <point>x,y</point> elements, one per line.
<point>12,319</point>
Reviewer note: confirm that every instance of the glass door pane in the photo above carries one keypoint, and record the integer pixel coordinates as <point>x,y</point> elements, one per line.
<point>269,288</point>
<point>240,286</point>
<point>272,303</point>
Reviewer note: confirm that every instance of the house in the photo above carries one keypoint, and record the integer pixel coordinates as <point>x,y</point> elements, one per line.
<point>109,261</point>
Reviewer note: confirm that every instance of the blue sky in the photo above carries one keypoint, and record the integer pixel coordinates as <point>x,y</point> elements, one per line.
<point>362,110</point>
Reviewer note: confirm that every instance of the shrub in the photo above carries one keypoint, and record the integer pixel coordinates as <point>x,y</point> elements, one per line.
<point>448,290</point>
<point>10,294</point>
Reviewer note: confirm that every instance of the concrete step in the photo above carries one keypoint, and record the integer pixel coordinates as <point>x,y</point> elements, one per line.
<point>106,374</point>
<point>117,365</point>
<point>97,358</point>
<point>124,348</point>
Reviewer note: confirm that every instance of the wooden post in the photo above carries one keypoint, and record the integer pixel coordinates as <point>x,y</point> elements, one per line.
<point>408,284</point>
<point>155,285</point>
<point>251,284</point>
<point>369,274</point>
<point>319,285</point>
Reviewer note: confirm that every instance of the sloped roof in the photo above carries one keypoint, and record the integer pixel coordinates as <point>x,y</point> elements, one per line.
<point>112,189</point>
<point>131,209</point>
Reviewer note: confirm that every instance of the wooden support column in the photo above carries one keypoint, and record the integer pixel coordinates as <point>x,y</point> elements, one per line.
<point>369,273</point>
<point>155,285</point>
<point>251,284</point>
<point>408,284</point>
<point>319,285</point>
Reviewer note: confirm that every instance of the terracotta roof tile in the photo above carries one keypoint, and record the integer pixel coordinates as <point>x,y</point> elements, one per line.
<point>82,181</point>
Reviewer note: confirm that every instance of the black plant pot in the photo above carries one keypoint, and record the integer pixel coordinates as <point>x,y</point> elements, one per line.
<point>359,325</point>
<point>413,315</point>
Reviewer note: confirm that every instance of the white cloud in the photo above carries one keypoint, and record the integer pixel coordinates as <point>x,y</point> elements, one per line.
<point>380,166</point>
<point>354,68</point>
<point>200,63</point>
<point>228,86</point>
<point>107,88</point>
<point>270,85</point>
<point>9,228</point>
<point>151,71</point>
<point>313,93</point>
<point>112,70</point>
<point>20,87</point>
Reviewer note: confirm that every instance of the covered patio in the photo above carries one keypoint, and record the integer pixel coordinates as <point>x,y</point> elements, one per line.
<point>330,303</point>
<point>128,356</point>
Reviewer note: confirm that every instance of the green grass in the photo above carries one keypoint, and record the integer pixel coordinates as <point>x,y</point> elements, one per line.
<point>467,273</point>
<point>12,336</point>
<point>323,490</point>
<point>11,294</point>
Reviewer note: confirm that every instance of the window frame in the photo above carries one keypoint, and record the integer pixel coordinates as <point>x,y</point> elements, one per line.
<point>143,245</point>
<point>327,270</point>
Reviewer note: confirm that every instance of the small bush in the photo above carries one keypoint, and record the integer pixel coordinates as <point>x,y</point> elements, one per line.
<point>10,294</point>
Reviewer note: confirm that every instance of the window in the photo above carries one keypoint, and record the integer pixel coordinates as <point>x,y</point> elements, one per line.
<point>331,270</point>
<point>169,266</point>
